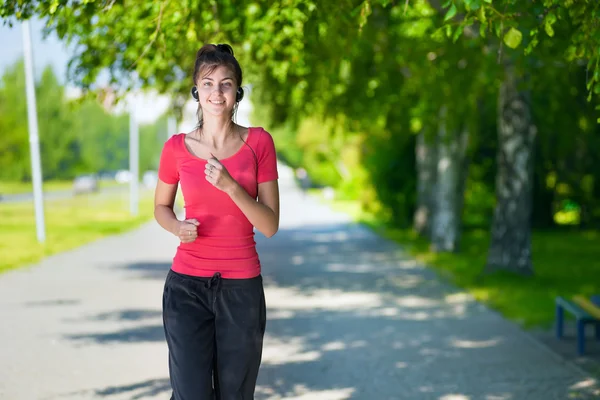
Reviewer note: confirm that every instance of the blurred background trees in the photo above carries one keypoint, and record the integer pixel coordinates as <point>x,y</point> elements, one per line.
<point>79,136</point>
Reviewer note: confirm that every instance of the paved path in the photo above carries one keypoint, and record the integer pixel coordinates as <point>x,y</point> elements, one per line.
<point>350,317</point>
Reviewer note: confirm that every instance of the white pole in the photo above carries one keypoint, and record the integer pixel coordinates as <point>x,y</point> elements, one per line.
<point>34,140</point>
<point>134,157</point>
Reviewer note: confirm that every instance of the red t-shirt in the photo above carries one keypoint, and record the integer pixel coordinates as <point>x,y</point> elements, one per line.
<point>225,240</point>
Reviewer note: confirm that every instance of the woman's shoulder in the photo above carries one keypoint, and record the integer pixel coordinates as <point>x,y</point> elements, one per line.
<point>261,135</point>
<point>174,140</point>
<point>257,129</point>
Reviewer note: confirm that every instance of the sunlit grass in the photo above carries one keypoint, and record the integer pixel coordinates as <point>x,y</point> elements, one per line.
<point>566,262</point>
<point>69,222</point>
<point>27,187</point>
<point>8,188</point>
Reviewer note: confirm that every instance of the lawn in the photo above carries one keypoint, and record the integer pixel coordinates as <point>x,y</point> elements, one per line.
<point>69,222</point>
<point>566,262</point>
<point>27,187</point>
<point>8,187</point>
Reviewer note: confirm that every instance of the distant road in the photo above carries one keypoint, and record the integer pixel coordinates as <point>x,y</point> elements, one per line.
<point>56,194</point>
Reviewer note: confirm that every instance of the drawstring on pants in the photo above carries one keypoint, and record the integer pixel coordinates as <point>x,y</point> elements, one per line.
<point>215,284</point>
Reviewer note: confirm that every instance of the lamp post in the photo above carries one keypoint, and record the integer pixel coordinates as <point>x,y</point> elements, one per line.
<point>34,140</point>
<point>134,160</point>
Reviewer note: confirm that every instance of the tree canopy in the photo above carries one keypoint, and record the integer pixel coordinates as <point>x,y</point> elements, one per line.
<point>348,86</point>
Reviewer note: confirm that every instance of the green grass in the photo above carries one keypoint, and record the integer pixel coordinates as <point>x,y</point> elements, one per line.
<point>69,223</point>
<point>566,262</point>
<point>7,187</point>
<point>27,187</point>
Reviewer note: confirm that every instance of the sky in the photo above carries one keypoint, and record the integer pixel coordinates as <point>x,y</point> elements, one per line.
<point>50,51</point>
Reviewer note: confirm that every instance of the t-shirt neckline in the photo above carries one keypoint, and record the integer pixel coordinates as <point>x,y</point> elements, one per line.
<point>190,154</point>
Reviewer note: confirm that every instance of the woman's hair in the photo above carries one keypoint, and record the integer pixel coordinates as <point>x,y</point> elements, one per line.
<point>208,58</point>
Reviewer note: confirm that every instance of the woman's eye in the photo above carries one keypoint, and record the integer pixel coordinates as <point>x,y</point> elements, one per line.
<point>206,83</point>
<point>227,84</point>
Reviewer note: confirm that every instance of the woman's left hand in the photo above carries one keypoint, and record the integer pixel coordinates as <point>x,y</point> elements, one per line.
<point>218,175</point>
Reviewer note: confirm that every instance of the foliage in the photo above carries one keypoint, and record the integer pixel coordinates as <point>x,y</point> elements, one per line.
<point>345,86</point>
<point>75,136</point>
<point>571,27</point>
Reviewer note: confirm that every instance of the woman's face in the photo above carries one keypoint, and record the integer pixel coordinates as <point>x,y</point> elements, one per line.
<point>217,91</point>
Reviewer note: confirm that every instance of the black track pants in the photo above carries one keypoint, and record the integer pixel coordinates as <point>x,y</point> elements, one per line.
<point>214,329</point>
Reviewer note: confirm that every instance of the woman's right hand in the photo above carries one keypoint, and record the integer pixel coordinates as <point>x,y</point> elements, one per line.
<point>187,230</point>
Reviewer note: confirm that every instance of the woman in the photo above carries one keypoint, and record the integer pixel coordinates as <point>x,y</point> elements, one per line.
<point>213,303</point>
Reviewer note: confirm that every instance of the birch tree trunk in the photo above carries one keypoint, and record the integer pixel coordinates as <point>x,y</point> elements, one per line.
<point>449,189</point>
<point>510,247</point>
<point>426,179</point>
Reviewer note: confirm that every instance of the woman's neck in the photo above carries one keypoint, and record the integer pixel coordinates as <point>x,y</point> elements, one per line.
<point>217,131</point>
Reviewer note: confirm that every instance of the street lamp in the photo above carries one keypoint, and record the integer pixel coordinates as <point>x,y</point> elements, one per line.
<point>34,140</point>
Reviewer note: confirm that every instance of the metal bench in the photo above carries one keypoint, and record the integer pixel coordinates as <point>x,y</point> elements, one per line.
<point>582,318</point>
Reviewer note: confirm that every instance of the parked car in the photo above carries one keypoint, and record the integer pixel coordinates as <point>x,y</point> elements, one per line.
<point>150,179</point>
<point>85,184</point>
<point>123,176</point>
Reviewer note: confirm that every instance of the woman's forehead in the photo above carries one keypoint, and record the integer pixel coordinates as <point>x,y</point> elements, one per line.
<point>215,72</point>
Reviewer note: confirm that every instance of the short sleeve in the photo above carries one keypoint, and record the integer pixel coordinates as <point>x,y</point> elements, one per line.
<point>267,158</point>
<point>167,168</point>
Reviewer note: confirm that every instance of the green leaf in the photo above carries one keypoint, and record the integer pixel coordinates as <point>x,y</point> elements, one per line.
<point>482,29</point>
<point>365,12</point>
<point>488,1</point>
<point>481,15</point>
<point>448,30</point>
<point>497,28</point>
<point>513,38</point>
<point>548,22</point>
<point>459,30</point>
<point>451,13</point>
<point>53,7</point>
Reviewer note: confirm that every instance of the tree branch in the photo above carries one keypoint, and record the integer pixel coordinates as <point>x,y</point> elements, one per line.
<point>156,31</point>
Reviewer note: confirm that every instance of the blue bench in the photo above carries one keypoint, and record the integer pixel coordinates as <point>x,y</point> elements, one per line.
<point>582,318</point>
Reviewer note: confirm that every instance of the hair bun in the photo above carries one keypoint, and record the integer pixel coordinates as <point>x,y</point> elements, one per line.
<point>225,48</point>
<point>214,48</point>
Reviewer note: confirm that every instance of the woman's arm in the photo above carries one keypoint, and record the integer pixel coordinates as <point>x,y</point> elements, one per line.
<point>264,214</point>
<point>164,201</point>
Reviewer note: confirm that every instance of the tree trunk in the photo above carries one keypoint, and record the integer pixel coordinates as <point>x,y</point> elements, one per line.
<point>449,188</point>
<point>425,150</point>
<point>510,247</point>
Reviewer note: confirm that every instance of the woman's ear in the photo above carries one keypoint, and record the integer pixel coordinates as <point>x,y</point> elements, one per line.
<point>195,93</point>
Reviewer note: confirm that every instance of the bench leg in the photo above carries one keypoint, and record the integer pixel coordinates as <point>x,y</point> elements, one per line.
<point>559,321</point>
<point>580,337</point>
